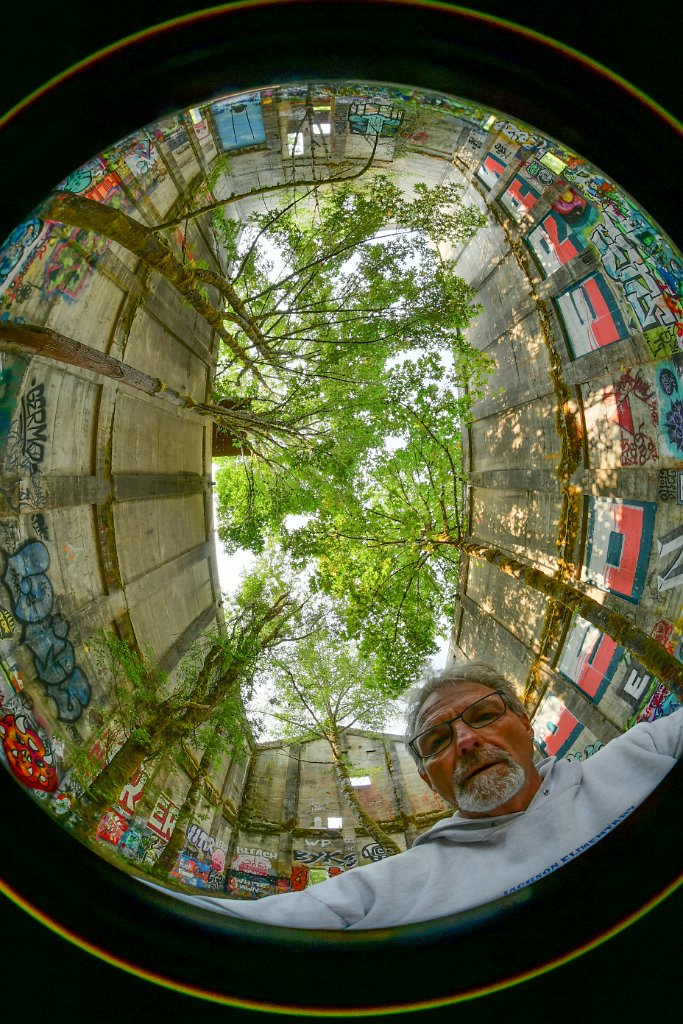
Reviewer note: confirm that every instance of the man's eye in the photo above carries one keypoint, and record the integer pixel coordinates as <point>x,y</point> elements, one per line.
<point>433,742</point>
<point>484,717</point>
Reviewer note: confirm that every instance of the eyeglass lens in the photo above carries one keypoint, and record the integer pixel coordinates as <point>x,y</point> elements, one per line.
<point>478,715</point>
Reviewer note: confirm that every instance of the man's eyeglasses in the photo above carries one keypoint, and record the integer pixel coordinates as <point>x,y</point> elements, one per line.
<point>483,712</point>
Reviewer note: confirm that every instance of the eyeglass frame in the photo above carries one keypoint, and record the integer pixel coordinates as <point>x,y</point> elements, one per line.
<point>450,721</point>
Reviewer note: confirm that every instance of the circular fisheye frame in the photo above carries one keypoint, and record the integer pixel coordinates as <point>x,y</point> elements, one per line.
<point>481,115</point>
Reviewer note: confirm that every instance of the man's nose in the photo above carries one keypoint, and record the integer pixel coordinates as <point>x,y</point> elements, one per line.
<point>466,739</point>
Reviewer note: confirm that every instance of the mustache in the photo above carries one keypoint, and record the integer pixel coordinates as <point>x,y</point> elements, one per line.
<point>485,755</point>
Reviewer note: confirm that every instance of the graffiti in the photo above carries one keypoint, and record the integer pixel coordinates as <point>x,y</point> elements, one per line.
<point>282,885</point>
<point>375,119</point>
<point>374,851</point>
<point>318,842</point>
<point>577,755</point>
<point>250,887</point>
<point>634,684</point>
<point>27,436</point>
<point>68,268</point>
<point>25,495</point>
<point>591,315</point>
<point>624,261</point>
<point>300,876</point>
<point>112,827</point>
<point>10,671</point>
<point>542,174</point>
<point>142,158</point>
<point>333,872</point>
<point>78,181</point>
<point>671,543</point>
<point>216,879</point>
<point>570,204</point>
<point>490,170</point>
<point>29,758</point>
<point>27,239</point>
<point>252,865</point>
<point>141,846</point>
<point>326,857</point>
<point>589,658</point>
<point>663,633</point>
<point>555,727</point>
<point>619,542</point>
<point>555,242</point>
<point>196,836</point>
<point>192,871</point>
<point>667,490</point>
<point>239,121</point>
<point>45,633</point>
<point>7,623</point>
<point>12,369</point>
<point>253,851</point>
<point>660,703</point>
<point>517,134</point>
<point>131,792</point>
<point>519,198</point>
<point>27,579</point>
<point>636,406</point>
<point>40,526</point>
<point>670,399</point>
<point>476,142</point>
<point>163,818</point>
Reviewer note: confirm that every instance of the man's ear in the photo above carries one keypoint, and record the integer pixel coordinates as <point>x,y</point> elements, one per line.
<point>425,778</point>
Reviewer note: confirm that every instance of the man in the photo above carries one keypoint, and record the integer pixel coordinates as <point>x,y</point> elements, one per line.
<point>516,821</point>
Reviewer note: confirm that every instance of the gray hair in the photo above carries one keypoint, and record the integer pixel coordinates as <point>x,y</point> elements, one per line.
<point>456,673</point>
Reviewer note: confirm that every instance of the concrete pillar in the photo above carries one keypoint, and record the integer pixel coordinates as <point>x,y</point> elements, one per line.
<point>401,801</point>
<point>290,806</point>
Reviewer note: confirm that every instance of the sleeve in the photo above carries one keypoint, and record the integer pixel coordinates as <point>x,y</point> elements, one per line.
<point>664,736</point>
<point>288,910</point>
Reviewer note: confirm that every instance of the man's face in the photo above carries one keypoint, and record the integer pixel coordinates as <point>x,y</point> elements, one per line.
<point>484,772</point>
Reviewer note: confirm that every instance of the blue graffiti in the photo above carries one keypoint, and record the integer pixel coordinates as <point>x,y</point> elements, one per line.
<point>14,249</point>
<point>45,633</point>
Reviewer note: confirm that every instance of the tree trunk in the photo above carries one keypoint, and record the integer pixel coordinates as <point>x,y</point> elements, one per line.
<point>105,790</point>
<point>366,820</point>
<point>652,656</point>
<point>43,341</point>
<point>169,855</point>
<point>77,211</point>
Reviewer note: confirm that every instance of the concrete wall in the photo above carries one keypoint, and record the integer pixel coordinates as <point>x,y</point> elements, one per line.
<point>574,278</point>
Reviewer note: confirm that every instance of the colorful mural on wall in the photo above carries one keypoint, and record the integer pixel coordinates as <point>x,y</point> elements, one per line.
<point>239,121</point>
<point>639,267</point>
<point>669,392</point>
<point>658,703</point>
<point>12,370</point>
<point>45,631</point>
<point>27,755</point>
<point>589,658</point>
<point>591,315</point>
<point>558,733</point>
<point>670,544</point>
<point>619,540</point>
<point>374,119</point>
<point>519,197</point>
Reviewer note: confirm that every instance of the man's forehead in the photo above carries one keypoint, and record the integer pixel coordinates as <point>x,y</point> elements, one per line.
<point>453,698</point>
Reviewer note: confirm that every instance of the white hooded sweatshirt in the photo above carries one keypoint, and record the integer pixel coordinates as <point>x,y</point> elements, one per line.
<point>463,862</point>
